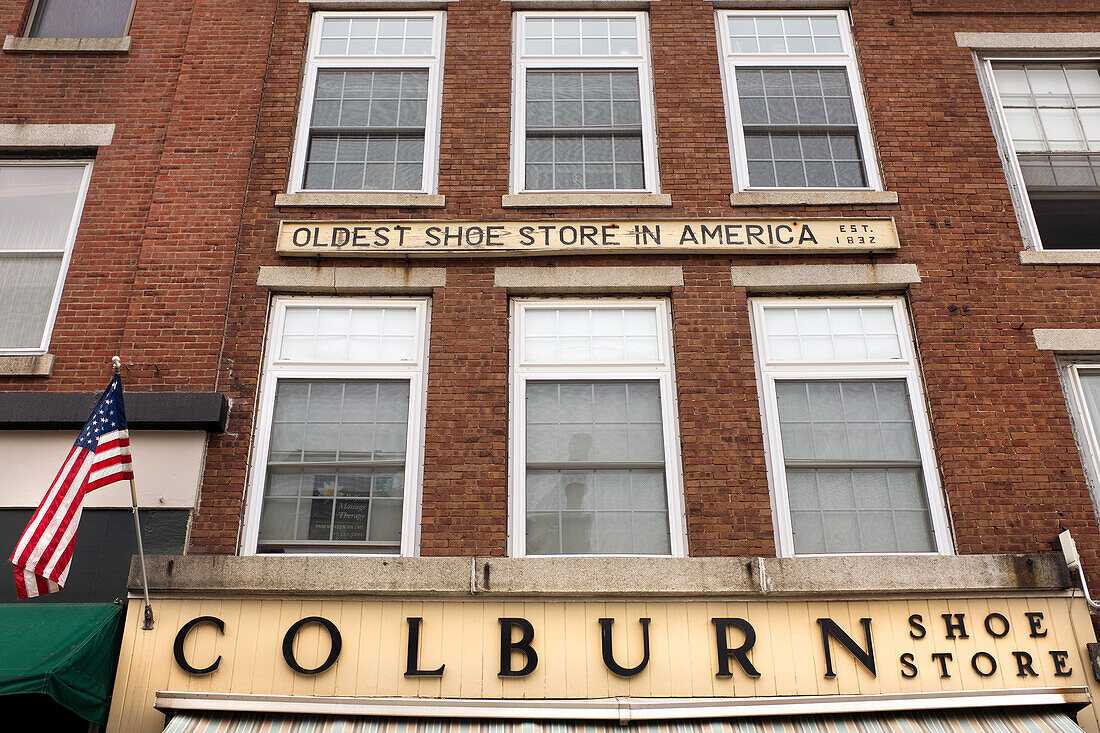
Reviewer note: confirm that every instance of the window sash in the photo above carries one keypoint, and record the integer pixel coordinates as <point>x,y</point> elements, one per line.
<point>1087,415</point>
<point>277,371</point>
<point>844,60</point>
<point>63,255</point>
<point>613,373</point>
<point>307,133</point>
<point>898,370</point>
<point>1010,155</point>
<point>522,132</point>
<point>54,19</point>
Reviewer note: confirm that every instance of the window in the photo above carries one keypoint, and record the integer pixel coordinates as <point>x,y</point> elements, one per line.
<point>339,429</point>
<point>1084,386</point>
<point>369,117</point>
<point>40,207</point>
<point>595,458</point>
<point>849,447</point>
<point>796,111</point>
<point>583,103</point>
<point>1050,120</point>
<point>80,18</point>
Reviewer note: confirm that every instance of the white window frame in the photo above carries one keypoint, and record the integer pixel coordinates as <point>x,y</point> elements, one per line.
<point>315,62</point>
<point>661,371</point>
<point>642,63</point>
<point>66,257</point>
<point>846,60</point>
<point>1087,426</point>
<point>1005,147</point>
<point>274,369</point>
<point>769,372</point>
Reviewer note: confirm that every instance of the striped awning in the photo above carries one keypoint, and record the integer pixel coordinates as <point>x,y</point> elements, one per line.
<point>1017,720</point>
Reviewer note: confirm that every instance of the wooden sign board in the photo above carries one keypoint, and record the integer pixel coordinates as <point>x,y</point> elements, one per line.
<point>563,237</point>
<point>501,650</point>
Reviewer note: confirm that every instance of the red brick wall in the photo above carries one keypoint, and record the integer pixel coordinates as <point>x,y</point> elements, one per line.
<point>184,236</point>
<point>149,277</point>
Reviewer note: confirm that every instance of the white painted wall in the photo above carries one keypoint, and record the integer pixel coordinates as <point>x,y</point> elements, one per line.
<point>167,467</point>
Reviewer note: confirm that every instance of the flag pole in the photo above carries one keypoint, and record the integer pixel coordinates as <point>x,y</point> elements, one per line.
<point>116,365</point>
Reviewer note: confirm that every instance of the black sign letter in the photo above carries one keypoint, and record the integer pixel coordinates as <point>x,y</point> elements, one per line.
<point>609,654</point>
<point>830,629</point>
<point>741,653</point>
<point>292,634</point>
<point>412,665</point>
<point>507,646</point>
<point>181,637</point>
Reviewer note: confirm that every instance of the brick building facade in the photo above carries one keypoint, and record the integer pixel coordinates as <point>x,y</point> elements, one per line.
<point>968,138</point>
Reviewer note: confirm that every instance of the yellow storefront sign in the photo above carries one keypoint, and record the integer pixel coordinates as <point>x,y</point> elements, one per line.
<point>576,650</point>
<point>679,236</point>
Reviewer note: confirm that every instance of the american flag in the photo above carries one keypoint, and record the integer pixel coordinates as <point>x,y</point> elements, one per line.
<point>100,457</point>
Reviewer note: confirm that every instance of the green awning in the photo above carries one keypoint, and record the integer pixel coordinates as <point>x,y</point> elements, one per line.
<point>68,651</point>
<point>992,720</point>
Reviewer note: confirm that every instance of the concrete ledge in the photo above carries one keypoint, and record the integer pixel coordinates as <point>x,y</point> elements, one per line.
<point>18,44</point>
<point>520,200</point>
<point>56,136</point>
<point>819,278</point>
<point>1067,340</point>
<point>1028,41</point>
<point>588,279</point>
<point>331,279</point>
<point>859,575</point>
<point>26,366</point>
<point>377,4</point>
<point>1060,257</point>
<point>360,199</point>
<point>810,197</point>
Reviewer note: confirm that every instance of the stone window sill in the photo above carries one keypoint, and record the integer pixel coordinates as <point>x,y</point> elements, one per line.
<point>377,4</point>
<point>1067,340</point>
<point>1060,257</point>
<point>18,44</point>
<point>26,366</point>
<point>580,4</point>
<point>535,200</point>
<point>796,197</point>
<point>361,199</point>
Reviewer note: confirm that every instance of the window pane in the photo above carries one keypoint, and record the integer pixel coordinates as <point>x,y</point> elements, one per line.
<point>561,106</point>
<point>814,333</point>
<point>597,512</point>
<point>1090,385</point>
<point>590,36</point>
<point>81,19</point>
<point>37,204</point>
<point>582,335</point>
<point>37,207</point>
<point>363,423</point>
<point>387,36</point>
<point>800,97</point>
<point>361,334</point>
<point>576,507</point>
<point>27,285</point>
<point>594,421</point>
<point>353,506</point>
<point>367,131</point>
<point>859,510</point>
<point>1049,107</point>
<point>783,34</point>
<point>831,421</point>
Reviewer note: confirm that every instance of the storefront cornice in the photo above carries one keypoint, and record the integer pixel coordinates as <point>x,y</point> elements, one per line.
<point>874,576</point>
